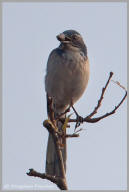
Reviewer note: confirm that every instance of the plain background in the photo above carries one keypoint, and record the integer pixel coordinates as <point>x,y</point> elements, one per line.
<point>96,160</point>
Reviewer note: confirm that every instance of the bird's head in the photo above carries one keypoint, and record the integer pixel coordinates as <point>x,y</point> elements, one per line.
<point>72,39</point>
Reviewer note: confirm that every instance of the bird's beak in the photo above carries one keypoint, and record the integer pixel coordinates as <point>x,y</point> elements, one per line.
<point>62,38</point>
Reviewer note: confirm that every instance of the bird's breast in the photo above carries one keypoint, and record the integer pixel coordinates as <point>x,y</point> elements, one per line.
<point>76,71</point>
<point>73,61</point>
<point>67,77</point>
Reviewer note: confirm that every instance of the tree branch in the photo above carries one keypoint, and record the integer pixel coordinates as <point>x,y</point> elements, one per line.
<point>101,97</point>
<point>88,118</point>
<point>50,125</point>
<point>94,120</point>
<point>60,182</point>
<point>52,130</point>
<point>71,135</point>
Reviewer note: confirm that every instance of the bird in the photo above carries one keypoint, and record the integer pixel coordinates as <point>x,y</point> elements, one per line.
<point>67,76</point>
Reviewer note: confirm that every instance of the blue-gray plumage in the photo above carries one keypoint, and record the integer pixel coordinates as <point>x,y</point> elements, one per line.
<point>66,80</point>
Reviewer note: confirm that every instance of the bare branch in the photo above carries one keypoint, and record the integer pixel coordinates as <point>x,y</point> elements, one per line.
<point>52,130</point>
<point>72,135</point>
<point>66,111</point>
<point>102,96</point>
<point>88,118</point>
<point>60,182</point>
<point>94,120</point>
<point>34,173</point>
<point>50,125</point>
<point>117,82</point>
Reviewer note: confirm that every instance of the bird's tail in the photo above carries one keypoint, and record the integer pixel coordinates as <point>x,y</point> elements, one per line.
<point>52,166</point>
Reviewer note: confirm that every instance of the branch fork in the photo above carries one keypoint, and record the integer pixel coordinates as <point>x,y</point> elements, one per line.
<point>89,118</point>
<point>50,125</point>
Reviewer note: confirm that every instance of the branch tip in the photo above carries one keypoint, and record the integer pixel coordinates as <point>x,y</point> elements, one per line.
<point>111,73</point>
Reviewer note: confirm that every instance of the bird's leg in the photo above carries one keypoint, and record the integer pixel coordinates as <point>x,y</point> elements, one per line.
<point>78,118</point>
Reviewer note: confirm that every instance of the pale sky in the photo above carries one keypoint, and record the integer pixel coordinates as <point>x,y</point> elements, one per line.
<point>97,159</point>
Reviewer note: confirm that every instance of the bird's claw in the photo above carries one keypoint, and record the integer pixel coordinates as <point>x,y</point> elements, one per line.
<point>79,120</point>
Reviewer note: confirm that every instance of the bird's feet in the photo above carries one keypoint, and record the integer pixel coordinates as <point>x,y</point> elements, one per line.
<point>79,119</point>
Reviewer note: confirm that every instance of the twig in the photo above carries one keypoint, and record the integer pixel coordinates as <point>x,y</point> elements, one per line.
<point>66,111</point>
<point>94,120</point>
<point>57,180</point>
<point>117,82</point>
<point>79,130</point>
<point>72,135</point>
<point>102,96</point>
<point>34,173</point>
